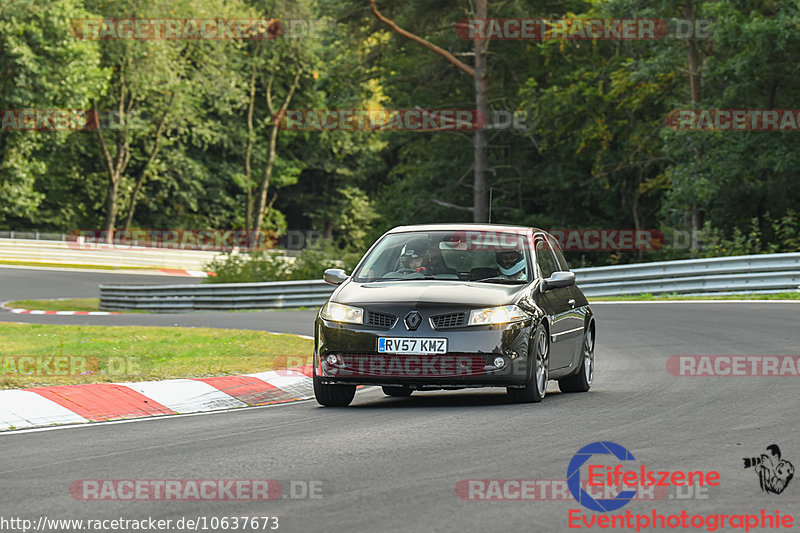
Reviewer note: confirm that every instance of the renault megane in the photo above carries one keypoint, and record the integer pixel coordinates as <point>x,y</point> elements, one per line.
<point>454,306</point>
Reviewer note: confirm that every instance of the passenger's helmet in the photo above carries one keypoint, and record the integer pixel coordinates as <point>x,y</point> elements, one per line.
<point>510,262</point>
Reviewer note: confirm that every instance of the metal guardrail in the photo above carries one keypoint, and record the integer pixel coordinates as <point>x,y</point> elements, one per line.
<point>723,275</point>
<point>767,273</point>
<point>215,296</point>
<point>33,235</point>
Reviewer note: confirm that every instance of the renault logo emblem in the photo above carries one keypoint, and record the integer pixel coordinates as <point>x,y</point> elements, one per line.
<point>413,320</point>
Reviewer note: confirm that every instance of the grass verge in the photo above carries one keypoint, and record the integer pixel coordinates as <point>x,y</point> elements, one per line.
<point>794,295</point>
<point>41,355</point>
<point>62,304</point>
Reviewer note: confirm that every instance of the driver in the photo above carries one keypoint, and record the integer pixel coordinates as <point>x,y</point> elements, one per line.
<point>512,264</point>
<point>415,257</point>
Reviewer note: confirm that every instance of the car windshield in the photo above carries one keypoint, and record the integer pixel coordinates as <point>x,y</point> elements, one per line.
<point>483,256</point>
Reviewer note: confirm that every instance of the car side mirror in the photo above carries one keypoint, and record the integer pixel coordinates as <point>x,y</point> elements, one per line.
<point>335,276</point>
<point>557,280</point>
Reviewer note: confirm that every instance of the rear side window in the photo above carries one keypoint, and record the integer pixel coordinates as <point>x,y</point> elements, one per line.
<point>562,262</point>
<point>545,260</point>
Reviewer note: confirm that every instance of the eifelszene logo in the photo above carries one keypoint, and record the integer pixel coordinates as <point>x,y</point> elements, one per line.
<point>774,473</point>
<point>574,476</point>
<point>601,475</point>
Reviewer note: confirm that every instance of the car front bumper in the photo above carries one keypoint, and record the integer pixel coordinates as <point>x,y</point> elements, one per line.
<point>348,354</point>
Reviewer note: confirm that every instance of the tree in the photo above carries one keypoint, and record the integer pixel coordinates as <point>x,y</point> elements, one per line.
<point>156,88</point>
<point>480,204</point>
<point>41,67</point>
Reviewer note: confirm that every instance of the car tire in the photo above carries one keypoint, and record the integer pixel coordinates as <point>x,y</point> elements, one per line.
<point>400,392</point>
<point>536,387</point>
<point>582,380</point>
<point>333,395</point>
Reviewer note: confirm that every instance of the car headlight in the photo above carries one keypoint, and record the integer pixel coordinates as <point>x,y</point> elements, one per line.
<point>343,313</point>
<point>496,315</point>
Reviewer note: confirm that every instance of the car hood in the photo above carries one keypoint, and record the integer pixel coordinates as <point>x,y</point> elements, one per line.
<point>427,292</point>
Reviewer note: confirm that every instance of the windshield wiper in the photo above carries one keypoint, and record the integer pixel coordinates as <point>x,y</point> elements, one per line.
<point>504,281</point>
<point>424,278</point>
<point>373,280</point>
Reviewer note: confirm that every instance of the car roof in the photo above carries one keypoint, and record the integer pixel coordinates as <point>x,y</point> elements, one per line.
<point>463,227</point>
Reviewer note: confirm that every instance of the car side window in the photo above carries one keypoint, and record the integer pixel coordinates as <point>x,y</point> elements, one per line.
<point>545,260</point>
<point>562,262</point>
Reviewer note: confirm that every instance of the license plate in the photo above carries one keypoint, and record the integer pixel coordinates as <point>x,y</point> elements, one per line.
<point>412,346</point>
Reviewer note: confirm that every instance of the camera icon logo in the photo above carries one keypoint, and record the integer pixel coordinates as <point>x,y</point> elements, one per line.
<point>774,472</point>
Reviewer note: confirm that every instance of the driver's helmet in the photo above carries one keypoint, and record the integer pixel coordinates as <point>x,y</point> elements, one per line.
<point>413,250</point>
<point>510,262</point>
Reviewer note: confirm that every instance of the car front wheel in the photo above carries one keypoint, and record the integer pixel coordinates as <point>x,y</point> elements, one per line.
<point>536,387</point>
<point>582,380</point>
<point>333,395</point>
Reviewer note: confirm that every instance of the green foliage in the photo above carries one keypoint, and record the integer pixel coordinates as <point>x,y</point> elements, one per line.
<point>593,149</point>
<point>779,235</point>
<point>243,268</point>
<point>264,265</point>
<point>41,67</point>
<point>313,261</point>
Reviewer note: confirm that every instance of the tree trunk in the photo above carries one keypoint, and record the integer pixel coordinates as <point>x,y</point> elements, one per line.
<point>117,164</point>
<point>111,206</point>
<point>263,189</point>
<point>143,172</point>
<point>694,74</point>
<point>480,203</point>
<point>248,173</point>
<point>695,82</point>
<point>261,198</point>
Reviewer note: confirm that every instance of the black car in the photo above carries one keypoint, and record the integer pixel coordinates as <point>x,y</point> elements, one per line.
<point>453,306</point>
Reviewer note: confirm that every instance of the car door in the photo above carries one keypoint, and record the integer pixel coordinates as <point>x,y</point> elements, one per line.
<point>557,303</point>
<point>576,317</point>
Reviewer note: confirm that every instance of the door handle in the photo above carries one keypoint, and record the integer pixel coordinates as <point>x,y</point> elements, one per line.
<point>571,302</point>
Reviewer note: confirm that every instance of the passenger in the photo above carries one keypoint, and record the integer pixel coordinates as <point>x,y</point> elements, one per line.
<point>511,264</point>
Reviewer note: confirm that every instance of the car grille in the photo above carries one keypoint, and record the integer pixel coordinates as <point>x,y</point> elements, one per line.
<point>452,320</point>
<point>381,320</point>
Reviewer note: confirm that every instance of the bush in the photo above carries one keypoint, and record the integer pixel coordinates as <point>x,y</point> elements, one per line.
<point>273,266</point>
<point>781,235</point>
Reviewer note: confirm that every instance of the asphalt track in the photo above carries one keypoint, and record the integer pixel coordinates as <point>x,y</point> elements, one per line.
<point>392,464</point>
<point>20,283</point>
